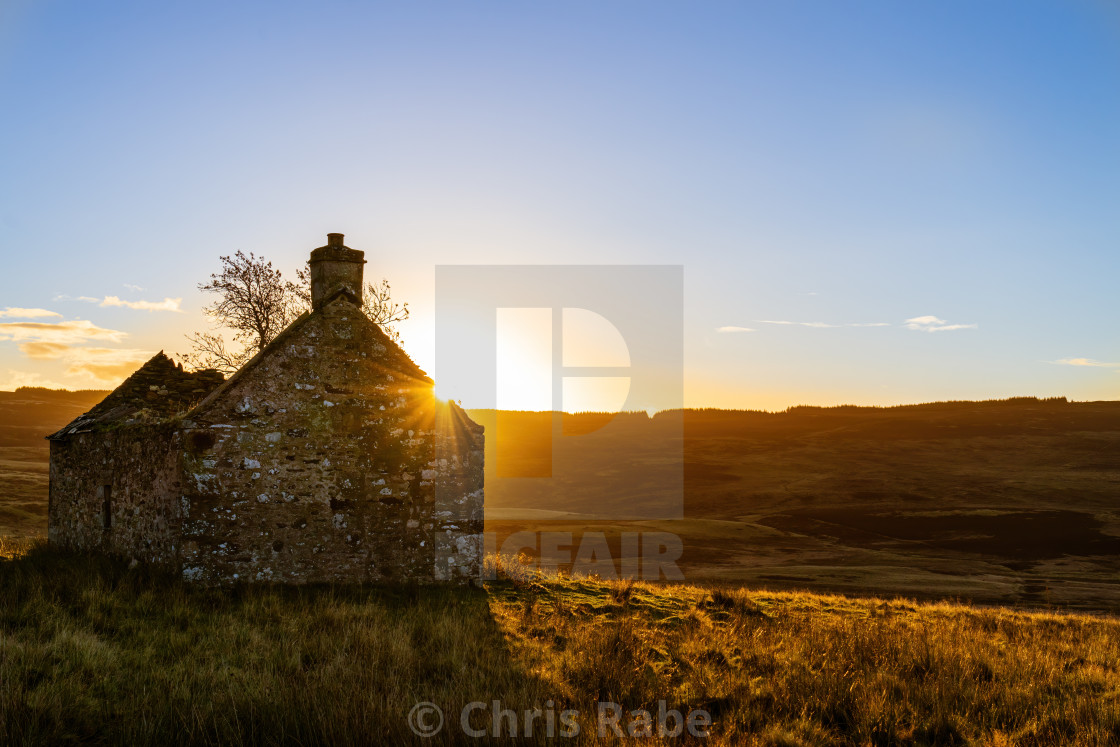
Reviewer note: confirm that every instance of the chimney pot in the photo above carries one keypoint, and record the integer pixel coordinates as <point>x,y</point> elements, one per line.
<point>336,268</point>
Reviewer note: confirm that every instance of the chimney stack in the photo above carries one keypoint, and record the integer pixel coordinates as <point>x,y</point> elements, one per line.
<point>336,268</point>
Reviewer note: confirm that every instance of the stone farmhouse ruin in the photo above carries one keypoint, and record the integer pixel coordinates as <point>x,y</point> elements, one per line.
<point>325,458</point>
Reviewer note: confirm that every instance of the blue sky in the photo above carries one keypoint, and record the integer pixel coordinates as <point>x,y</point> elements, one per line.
<point>825,164</point>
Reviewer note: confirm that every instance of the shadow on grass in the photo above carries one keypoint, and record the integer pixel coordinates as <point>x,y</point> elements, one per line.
<point>92,652</point>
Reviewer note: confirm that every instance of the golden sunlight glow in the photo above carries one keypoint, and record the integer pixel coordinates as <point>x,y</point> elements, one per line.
<point>524,358</point>
<point>525,368</point>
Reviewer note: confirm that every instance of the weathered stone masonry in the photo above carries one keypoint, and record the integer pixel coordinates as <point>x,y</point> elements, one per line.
<point>326,458</point>
<point>114,471</point>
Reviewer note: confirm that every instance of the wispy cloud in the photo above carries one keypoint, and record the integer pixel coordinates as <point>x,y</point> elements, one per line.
<point>87,299</point>
<point>44,350</point>
<point>931,323</point>
<point>167,304</point>
<point>924,323</point>
<point>15,312</point>
<point>796,324</point>
<point>69,332</point>
<point>1084,362</point>
<point>734,329</point>
<point>105,365</point>
<point>134,288</point>
<point>824,325</point>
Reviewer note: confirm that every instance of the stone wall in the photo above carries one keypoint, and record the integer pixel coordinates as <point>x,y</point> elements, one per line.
<point>457,471</point>
<point>117,491</point>
<point>321,461</point>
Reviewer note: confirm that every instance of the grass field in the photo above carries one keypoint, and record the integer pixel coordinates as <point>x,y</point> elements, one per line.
<point>1013,502</point>
<point>94,653</point>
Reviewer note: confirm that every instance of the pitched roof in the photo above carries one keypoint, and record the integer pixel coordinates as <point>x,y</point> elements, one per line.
<point>405,364</point>
<point>158,390</point>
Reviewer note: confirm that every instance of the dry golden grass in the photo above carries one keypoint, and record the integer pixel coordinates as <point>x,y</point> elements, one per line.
<point>15,547</point>
<point>794,668</point>
<point>91,652</point>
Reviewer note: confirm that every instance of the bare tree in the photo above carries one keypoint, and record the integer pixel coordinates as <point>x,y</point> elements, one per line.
<point>256,303</point>
<point>209,351</point>
<point>253,301</point>
<point>379,306</point>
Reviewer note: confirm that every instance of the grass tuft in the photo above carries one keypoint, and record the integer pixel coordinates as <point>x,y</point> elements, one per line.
<point>94,653</point>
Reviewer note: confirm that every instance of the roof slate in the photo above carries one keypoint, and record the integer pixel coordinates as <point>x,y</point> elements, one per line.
<point>157,391</point>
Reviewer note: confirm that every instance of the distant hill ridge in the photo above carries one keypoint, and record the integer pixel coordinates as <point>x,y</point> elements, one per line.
<point>47,392</point>
<point>29,413</point>
<point>950,418</point>
<point>837,409</point>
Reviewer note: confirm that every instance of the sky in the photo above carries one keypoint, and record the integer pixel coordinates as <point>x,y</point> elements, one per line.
<point>872,202</point>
